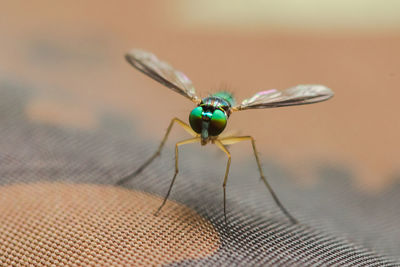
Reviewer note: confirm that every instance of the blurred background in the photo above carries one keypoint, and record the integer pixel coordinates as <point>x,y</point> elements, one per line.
<point>71,56</point>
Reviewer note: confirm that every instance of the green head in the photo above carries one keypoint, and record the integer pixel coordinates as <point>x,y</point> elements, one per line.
<point>207,122</point>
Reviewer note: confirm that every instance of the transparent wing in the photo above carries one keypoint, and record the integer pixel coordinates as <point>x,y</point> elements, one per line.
<point>297,95</point>
<point>162,72</point>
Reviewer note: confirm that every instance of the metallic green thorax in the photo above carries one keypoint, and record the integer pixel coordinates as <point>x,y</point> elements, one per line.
<point>227,96</point>
<point>210,117</point>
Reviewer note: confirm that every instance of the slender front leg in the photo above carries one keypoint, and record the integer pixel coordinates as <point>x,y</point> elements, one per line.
<point>223,148</point>
<point>185,126</point>
<point>236,139</point>
<point>188,141</point>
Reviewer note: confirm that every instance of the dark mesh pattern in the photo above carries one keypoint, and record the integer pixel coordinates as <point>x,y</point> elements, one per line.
<point>53,172</point>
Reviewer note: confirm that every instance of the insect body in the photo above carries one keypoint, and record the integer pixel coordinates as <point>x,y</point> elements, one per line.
<point>209,118</point>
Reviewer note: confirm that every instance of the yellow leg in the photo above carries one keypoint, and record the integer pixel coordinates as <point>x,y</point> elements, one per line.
<point>223,148</point>
<point>188,141</point>
<point>185,126</point>
<point>236,139</point>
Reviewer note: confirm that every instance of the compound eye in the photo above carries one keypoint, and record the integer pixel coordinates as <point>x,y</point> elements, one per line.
<point>217,123</point>
<point>195,119</point>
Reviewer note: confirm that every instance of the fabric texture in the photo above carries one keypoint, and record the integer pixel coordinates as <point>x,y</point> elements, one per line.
<point>339,225</point>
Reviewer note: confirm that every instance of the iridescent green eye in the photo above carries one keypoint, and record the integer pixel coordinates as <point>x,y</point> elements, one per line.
<point>217,123</point>
<point>195,119</point>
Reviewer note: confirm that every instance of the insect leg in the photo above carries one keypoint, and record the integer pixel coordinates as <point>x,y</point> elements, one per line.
<point>223,148</point>
<point>236,139</point>
<point>185,126</point>
<point>188,141</point>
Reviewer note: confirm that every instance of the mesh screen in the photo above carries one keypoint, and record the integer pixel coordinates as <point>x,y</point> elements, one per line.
<point>58,204</point>
<point>58,223</point>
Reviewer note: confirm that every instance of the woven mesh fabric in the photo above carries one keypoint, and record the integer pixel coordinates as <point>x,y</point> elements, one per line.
<point>59,205</point>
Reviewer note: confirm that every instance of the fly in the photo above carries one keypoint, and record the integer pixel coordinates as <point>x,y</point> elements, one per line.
<point>209,118</point>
